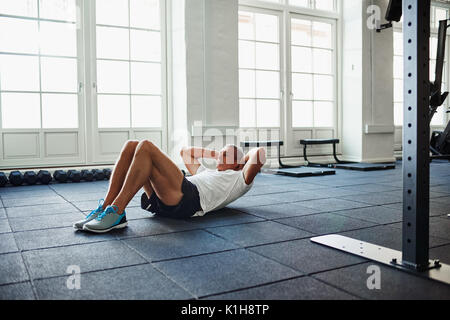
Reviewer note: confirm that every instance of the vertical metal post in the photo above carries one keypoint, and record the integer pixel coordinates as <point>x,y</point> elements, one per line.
<point>416,134</point>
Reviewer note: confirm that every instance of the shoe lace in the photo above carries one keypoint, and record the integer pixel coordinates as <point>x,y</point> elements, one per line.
<point>109,210</point>
<point>99,208</point>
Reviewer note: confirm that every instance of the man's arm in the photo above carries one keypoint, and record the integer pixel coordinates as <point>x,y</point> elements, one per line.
<point>254,161</point>
<point>191,155</point>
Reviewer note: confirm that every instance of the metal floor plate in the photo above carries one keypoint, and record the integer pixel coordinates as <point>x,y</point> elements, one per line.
<point>381,254</point>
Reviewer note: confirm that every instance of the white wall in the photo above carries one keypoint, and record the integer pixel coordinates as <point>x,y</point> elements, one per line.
<point>352,79</point>
<point>178,94</point>
<point>206,89</point>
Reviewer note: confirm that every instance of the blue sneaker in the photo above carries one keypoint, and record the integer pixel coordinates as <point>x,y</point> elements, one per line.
<point>107,221</point>
<point>93,215</point>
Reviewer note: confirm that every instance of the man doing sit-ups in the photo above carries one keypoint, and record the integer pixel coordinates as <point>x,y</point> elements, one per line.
<point>168,193</point>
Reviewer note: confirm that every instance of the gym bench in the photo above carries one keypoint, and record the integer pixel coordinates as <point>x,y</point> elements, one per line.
<point>287,170</point>
<point>314,142</point>
<point>348,165</point>
<point>274,143</point>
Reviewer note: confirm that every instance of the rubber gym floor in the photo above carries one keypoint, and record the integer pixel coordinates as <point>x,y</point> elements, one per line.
<point>257,248</point>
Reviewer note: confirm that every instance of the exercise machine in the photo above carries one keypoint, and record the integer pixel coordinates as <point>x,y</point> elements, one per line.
<point>414,257</point>
<point>440,141</point>
<point>287,170</point>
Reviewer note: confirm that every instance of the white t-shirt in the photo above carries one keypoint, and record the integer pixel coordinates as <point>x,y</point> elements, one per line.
<point>218,189</point>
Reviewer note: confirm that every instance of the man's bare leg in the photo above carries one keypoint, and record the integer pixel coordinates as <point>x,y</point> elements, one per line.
<point>150,163</point>
<point>148,188</point>
<point>120,171</point>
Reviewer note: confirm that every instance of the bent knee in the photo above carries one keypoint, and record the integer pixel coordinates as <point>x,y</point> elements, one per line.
<point>130,146</point>
<point>146,146</point>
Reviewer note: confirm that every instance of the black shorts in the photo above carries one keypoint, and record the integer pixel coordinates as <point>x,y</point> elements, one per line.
<point>188,206</point>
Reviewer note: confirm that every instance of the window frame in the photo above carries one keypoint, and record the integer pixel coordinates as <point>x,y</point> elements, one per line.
<point>335,73</point>
<point>281,53</point>
<point>95,145</point>
<point>78,58</point>
<point>290,135</point>
<point>87,133</point>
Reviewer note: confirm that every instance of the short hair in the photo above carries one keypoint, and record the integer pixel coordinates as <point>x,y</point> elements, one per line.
<point>238,153</point>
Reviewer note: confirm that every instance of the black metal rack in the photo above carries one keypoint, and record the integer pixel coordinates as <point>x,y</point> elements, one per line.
<point>414,257</point>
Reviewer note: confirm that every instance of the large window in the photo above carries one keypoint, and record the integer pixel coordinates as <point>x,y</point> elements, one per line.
<point>313,73</point>
<point>38,64</point>
<point>80,77</point>
<point>288,71</point>
<point>259,70</point>
<point>312,69</point>
<point>128,63</point>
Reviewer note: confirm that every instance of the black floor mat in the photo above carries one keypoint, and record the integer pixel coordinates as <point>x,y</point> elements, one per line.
<point>302,172</point>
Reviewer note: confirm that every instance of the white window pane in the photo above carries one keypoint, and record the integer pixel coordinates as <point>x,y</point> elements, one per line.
<point>267,84</point>
<point>146,112</point>
<point>59,111</point>
<point>302,86</point>
<point>19,36</point>
<point>19,73</point>
<point>322,35</point>
<point>268,113</point>
<point>59,75</point>
<point>433,47</point>
<point>112,12</point>
<point>145,14</point>
<point>247,113</point>
<point>266,27</point>
<point>145,78</point>
<point>325,5</point>
<point>21,111</point>
<point>58,10</point>
<point>58,39</point>
<point>439,117</point>
<point>301,59</point>
<point>398,90</point>
<point>113,76</point>
<point>323,114</point>
<point>267,56</point>
<point>433,70</point>
<point>323,87</point>
<point>246,54</point>
<point>323,61</point>
<point>113,111</point>
<point>398,67</point>
<point>299,3</point>
<point>247,85</point>
<point>398,43</point>
<point>246,25</point>
<point>145,45</point>
<point>301,33</point>
<point>441,14</point>
<point>302,114</point>
<point>113,43</point>
<point>23,8</point>
<point>398,114</point>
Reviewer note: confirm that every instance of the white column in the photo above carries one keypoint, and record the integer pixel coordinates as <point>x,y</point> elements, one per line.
<point>209,79</point>
<point>368,117</point>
